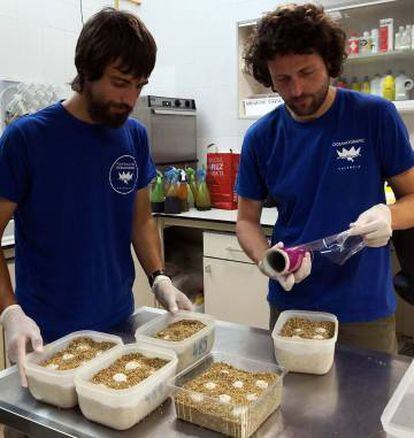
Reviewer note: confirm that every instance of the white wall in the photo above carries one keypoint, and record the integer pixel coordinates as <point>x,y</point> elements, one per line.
<point>198,58</point>
<point>197,51</point>
<point>38,38</point>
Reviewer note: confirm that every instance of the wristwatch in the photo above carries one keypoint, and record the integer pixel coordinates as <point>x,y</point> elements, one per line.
<point>151,277</point>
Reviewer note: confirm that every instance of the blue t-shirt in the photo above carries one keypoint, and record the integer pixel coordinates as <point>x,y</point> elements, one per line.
<point>75,185</point>
<point>323,174</point>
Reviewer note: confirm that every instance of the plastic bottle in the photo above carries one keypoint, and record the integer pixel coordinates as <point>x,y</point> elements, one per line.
<point>376,85</point>
<point>191,179</point>
<point>353,45</point>
<point>183,191</point>
<point>397,43</point>
<point>190,197</point>
<point>366,86</point>
<point>203,201</point>
<point>172,201</point>
<point>409,29</point>
<point>365,43</point>
<point>157,194</point>
<point>412,37</point>
<point>388,86</point>
<point>169,174</point>
<point>405,40</point>
<point>403,86</point>
<point>355,85</point>
<point>374,41</point>
<point>341,83</point>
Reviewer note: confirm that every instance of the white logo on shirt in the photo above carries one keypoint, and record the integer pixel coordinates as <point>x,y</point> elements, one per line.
<point>123,174</point>
<point>125,177</point>
<point>353,141</point>
<point>349,154</point>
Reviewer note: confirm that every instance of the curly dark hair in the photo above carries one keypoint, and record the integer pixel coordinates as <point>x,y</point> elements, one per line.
<point>295,29</point>
<point>111,36</point>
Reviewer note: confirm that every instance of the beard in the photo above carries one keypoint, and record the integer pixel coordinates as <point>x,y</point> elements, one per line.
<point>308,104</point>
<point>103,111</point>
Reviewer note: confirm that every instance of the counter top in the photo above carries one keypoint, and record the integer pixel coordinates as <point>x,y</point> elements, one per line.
<point>346,402</point>
<point>269,215</point>
<point>8,235</point>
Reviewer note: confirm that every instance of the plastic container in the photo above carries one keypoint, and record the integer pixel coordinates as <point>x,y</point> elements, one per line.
<point>312,356</point>
<point>388,86</point>
<point>397,418</point>
<point>226,417</point>
<point>122,408</point>
<point>189,350</point>
<point>54,386</point>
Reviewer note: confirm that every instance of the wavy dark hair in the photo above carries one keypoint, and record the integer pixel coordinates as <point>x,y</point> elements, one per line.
<point>113,36</point>
<point>295,29</point>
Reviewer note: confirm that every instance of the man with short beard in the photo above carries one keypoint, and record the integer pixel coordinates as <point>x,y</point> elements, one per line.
<point>75,176</point>
<point>324,157</point>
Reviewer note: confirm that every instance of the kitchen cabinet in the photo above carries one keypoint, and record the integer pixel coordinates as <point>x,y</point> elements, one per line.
<point>234,289</point>
<point>404,313</point>
<point>354,17</point>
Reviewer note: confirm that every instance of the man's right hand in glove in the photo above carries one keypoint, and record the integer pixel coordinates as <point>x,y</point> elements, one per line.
<point>20,330</point>
<point>287,281</point>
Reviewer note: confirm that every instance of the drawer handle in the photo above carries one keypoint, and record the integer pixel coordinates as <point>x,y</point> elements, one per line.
<point>230,248</point>
<point>207,268</point>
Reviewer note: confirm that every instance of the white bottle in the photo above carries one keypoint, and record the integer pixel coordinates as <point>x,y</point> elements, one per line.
<point>376,85</point>
<point>374,40</point>
<point>403,86</point>
<point>412,37</point>
<point>365,43</point>
<point>405,40</point>
<point>397,42</point>
<point>409,30</point>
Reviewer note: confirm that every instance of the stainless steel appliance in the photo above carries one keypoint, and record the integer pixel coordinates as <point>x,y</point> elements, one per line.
<point>172,128</point>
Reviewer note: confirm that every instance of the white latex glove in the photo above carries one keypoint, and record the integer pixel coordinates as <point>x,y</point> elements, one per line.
<point>20,330</point>
<point>169,296</point>
<point>287,281</point>
<point>374,226</point>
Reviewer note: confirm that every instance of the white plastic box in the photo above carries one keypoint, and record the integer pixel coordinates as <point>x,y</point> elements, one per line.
<point>397,418</point>
<point>54,386</point>
<point>121,409</point>
<point>313,356</point>
<point>228,418</point>
<point>189,350</point>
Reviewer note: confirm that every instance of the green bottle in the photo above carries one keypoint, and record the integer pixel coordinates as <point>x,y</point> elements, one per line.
<point>203,195</point>
<point>172,200</point>
<point>157,194</point>
<point>191,179</point>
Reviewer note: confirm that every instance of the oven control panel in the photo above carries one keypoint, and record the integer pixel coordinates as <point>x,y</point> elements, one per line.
<point>171,102</point>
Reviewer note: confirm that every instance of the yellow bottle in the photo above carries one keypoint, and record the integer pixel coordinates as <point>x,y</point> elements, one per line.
<point>355,85</point>
<point>388,87</point>
<point>366,86</point>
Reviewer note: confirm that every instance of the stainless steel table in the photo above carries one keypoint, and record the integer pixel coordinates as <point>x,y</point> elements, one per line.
<point>347,402</point>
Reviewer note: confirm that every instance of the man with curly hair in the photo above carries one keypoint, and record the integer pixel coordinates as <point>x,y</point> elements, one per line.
<point>324,156</point>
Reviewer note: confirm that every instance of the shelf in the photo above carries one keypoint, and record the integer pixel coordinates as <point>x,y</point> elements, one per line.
<point>386,56</point>
<point>354,17</point>
<point>404,106</point>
